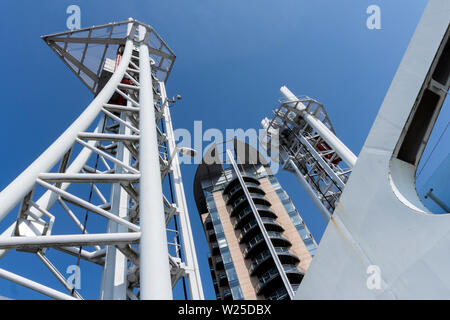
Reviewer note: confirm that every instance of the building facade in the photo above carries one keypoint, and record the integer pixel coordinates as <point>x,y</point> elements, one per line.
<point>242,262</point>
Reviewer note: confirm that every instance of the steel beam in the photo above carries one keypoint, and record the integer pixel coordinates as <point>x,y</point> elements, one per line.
<point>155,281</point>
<point>341,149</point>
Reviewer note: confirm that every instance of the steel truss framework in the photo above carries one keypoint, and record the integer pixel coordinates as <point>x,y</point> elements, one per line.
<point>126,151</point>
<point>309,148</point>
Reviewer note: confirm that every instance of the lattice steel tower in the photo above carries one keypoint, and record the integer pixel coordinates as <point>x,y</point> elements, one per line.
<point>117,160</point>
<point>309,148</point>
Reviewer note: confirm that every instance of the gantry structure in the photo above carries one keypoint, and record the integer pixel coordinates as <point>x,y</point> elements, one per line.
<point>109,190</point>
<point>307,146</point>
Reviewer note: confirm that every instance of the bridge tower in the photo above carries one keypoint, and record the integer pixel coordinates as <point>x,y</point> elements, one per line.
<point>109,190</point>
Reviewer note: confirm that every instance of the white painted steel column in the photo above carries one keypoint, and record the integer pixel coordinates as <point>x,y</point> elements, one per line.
<point>193,272</point>
<point>114,280</point>
<point>155,279</point>
<point>341,149</point>
<point>312,195</point>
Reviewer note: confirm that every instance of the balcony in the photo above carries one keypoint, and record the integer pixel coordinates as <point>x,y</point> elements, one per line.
<point>251,228</point>
<point>286,256</point>
<point>264,261</point>
<point>247,214</point>
<point>241,202</point>
<point>237,191</point>
<point>271,225</point>
<point>248,231</point>
<point>271,280</point>
<point>279,294</point>
<point>235,182</point>
<point>223,279</point>
<point>254,246</point>
<point>208,223</point>
<point>265,211</point>
<point>227,294</point>
<point>215,284</point>
<point>218,262</point>
<point>211,267</point>
<point>268,281</point>
<point>279,240</point>
<point>294,275</point>
<point>211,235</point>
<point>243,217</point>
<point>257,244</point>
<point>215,248</point>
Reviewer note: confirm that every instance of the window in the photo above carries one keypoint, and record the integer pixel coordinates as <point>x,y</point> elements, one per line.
<point>421,155</point>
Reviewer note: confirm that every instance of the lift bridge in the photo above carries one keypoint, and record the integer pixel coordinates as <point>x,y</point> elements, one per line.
<point>307,146</point>
<point>117,164</point>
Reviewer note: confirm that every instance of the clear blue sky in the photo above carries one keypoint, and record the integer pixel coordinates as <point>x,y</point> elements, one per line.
<point>232,58</point>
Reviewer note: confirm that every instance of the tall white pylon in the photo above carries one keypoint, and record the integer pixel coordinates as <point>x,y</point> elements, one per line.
<point>108,172</point>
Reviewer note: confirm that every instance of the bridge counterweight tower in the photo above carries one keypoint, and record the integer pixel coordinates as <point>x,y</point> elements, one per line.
<point>126,151</point>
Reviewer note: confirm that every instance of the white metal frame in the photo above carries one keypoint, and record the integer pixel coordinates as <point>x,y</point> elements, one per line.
<point>309,148</point>
<point>127,146</point>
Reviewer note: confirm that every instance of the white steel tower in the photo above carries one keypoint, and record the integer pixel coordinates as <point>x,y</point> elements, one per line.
<point>309,148</point>
<point>117,161</point>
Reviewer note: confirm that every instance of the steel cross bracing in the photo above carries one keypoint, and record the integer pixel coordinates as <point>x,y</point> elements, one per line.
<point>309,148</point>
<point>120,152</point>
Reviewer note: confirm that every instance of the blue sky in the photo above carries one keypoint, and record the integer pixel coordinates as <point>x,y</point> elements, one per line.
<point>232,58</point>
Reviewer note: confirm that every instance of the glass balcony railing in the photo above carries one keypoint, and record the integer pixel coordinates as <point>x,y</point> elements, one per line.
<point>266,278</point>
<point>238,201</point>
<point>227,294</point>
<point>246,213</point>
<point>243,214</point>
<point>270,220</point>
<point>245,231</point>
<point>218,261</point>
<point>222,278</point>
<point>237,188</point>
<point>211,234</point>
<point>260,258</point>
<point>235,181</point>
<point>208,223</point>
<point>258,239</point>
<point>280,294</point>
<point>243,198</point>
<point>215,248</point>
<point>266,255</point>
<point>278,239</point>
<point>290,268</point>
<point>272,274</point>
<point>253,243</point>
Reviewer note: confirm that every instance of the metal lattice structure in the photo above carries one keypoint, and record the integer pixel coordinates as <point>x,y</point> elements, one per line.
<point>309,148</point>
<point>120,152</point>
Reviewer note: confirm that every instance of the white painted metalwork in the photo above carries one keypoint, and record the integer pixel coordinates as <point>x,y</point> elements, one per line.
<point>121,158</point>
<point>191,269</point>
<point>382,242</point>
<point>309,148</point>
